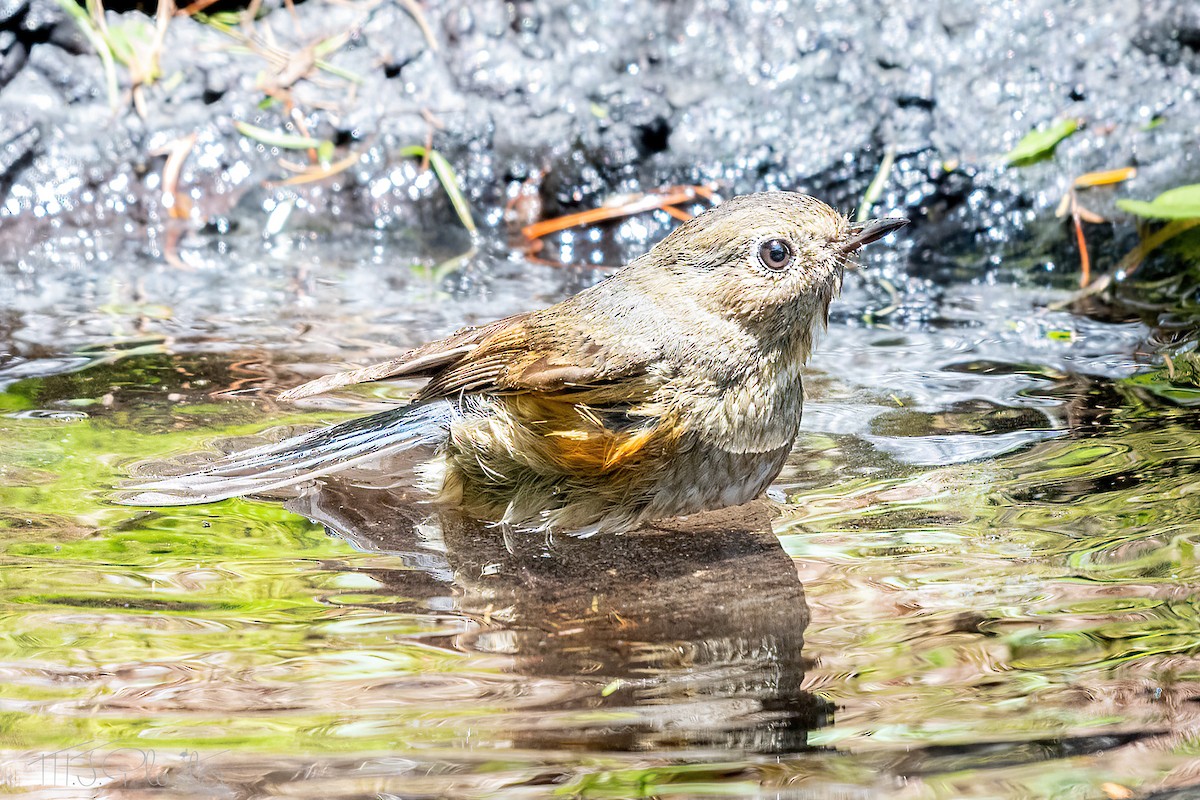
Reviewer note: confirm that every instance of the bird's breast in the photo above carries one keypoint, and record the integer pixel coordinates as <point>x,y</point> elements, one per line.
<point>755,412</point>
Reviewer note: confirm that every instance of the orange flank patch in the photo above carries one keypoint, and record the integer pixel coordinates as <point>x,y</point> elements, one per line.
<point>627,451</point>
<point>574,438</point>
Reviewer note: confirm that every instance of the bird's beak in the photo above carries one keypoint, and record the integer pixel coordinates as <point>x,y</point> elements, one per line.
<point>862,233</point>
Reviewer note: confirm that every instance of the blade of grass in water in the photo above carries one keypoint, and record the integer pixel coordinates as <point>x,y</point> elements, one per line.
<point>286,141</point>
<point>449,181</point>
<point>877,183</point>
<point>88,28</point>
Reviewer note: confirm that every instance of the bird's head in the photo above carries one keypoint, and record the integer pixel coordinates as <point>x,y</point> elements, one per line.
<point>772,261</point>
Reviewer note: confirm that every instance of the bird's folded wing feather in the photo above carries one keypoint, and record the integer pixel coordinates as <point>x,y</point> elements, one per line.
<point>515,354</point>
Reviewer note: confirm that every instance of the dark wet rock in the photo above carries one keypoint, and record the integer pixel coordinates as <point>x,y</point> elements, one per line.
<point>1171,32</point>
<point>74,78</point>
<point>13,55</point>
<point>19,144</point>
<point>12,9</point>
<point>588,100</point>
<point>41,17</point>
<point>390,33</point>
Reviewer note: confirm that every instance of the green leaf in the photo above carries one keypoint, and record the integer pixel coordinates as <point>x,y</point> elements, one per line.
<point>1182,202</point>
<point>285,141</point>
<point>449,181</point>
<point>1038,145</point>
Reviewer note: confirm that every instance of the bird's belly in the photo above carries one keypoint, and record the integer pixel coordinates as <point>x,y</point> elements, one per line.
<point>707,478</point>
<point>501,463</point>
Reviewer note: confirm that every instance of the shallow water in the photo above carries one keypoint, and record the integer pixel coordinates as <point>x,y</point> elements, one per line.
<point>978,577</point>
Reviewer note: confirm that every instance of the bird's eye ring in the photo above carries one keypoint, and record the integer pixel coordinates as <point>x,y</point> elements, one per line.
<point>775,254</point>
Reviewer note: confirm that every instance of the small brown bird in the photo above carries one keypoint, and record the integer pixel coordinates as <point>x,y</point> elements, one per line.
<point>672,387</point>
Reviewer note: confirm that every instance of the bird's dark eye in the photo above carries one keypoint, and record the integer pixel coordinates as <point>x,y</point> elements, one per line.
<point>775,254</point>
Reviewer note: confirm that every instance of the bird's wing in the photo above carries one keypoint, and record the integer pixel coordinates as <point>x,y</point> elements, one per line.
<point>421,362</point>
<point>517,354</point>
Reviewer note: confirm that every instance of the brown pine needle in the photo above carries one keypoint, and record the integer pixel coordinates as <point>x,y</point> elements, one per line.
<point>1064,205</point>
<point>418,15</point>
<point>320,173</point>
<point>293,166</point>
<point>179,206</point>
<point>298,120</point>
<point>432,119</point>
<point>170,249</point>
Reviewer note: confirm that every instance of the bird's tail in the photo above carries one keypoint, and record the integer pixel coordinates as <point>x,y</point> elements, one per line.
<point>300,458</point>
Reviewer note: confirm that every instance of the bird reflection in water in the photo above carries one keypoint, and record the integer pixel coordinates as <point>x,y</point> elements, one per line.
<point>690,629</point>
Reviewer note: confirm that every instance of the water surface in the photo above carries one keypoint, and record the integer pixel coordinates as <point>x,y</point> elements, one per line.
<point>976,577</point>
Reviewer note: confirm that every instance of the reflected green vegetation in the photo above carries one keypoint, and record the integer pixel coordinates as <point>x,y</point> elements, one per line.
<point>1033,597</point>
<point>92,591</point>
<point>1022,623</point>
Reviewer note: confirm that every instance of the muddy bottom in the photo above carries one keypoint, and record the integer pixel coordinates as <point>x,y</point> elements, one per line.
<point>975,577</point>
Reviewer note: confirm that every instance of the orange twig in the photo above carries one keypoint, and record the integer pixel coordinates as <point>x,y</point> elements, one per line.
<point>1105,177</point>
<point>649,202</point>
<point>677,213</point>
<point>1085,262</point>
<point>194,8</point>
<point>1079,214</point>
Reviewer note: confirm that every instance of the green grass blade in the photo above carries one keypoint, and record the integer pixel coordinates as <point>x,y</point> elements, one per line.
<point>449,181</point>
<point>285,141</point>
<point>88,27</point>
<point>877,185</point>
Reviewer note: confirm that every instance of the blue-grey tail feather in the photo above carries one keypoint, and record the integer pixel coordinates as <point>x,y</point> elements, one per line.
<point>300,458</point>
